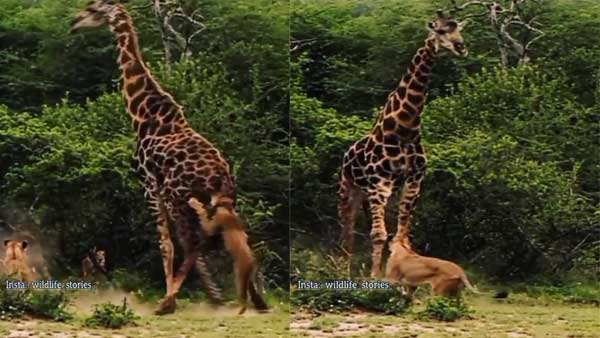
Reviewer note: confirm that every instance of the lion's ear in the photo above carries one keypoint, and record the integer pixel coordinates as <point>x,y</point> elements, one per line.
<point>6,242</point>
<point>24,244</point>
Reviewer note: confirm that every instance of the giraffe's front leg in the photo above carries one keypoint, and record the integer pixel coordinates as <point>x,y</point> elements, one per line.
<point>410,194</point>
<point>378,197</point>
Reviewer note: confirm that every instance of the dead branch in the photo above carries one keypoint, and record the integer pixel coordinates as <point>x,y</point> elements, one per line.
<point>173,21</point>
<point>504,21</point>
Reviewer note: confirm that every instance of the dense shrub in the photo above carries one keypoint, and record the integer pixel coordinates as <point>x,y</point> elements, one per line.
<point>445,309</point>
<point>44,304</point>
<point>112,316</point>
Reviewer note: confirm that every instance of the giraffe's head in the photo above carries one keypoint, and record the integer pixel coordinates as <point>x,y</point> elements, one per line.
<point>97,13</point>
<point>446,33</point>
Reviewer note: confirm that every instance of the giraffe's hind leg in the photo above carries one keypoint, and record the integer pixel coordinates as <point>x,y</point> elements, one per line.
<point>350,200</point>
<point>191,258</point>
<point>212,291</point>
<point>167,304</point>
<point>154,195</point>
<point>192,240</point>
<point>378,197</point>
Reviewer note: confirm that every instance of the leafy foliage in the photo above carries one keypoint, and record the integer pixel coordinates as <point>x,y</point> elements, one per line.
<point>13,304</point>
<point>389,301</point>
<point>111,316</point>
<point>445,309</point>
<point>45,304</point>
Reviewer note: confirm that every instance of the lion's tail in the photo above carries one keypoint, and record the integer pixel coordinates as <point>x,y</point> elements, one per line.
<point>470,287</point>
<point>468,284</point>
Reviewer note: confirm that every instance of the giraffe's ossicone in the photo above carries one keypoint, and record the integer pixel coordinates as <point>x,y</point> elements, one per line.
<point>175,162</point>
<point>391,158</point>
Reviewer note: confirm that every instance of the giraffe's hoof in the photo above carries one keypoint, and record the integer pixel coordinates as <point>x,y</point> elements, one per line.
<point>242,310</point>
<point>167,305</point>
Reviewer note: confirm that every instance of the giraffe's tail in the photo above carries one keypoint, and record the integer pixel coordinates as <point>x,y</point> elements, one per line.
<point>236,243</point>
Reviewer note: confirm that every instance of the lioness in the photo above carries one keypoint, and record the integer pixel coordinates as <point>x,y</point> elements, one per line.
<point>410,269</point>
<point>223,218</point>
<point>94,261</point>
<point>15,260</point>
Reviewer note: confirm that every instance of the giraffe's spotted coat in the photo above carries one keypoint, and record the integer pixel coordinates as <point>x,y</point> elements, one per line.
<point>391,157</point>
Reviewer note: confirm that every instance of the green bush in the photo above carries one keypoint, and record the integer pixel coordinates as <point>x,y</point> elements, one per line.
<point>13,304</point>
<point>45,304</point>
<point>111,316</point>
<point>388,301</point>
<point>445,309</point>
<point>49,304</point>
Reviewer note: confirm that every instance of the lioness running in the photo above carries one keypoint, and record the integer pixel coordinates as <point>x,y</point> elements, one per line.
<point>94,261</point>
<point>15,260</point>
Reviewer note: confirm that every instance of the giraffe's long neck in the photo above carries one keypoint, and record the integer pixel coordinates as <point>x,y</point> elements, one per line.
<point>148,104</point>
<point>403,108</point>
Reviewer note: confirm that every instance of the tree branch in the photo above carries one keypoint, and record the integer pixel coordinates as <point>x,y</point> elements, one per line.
<point>167,11</point>
<point>502,20</point>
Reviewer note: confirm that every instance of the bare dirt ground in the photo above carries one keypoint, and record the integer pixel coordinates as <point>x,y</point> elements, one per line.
<point>190,320</point>
<point>512,318</point>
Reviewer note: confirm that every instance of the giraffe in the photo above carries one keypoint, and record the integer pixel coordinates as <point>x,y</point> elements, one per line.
<point>176,163</point>
<point>391,158</point>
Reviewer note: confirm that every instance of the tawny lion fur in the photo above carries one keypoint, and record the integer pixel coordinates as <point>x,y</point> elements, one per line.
<point>410,269</point>
<point>15,261</point>
<point>226,220</point>
<point>88,267</point>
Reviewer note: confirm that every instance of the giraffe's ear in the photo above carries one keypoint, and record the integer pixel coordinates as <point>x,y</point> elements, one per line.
<point>462,25</point>
<point>24,244</point>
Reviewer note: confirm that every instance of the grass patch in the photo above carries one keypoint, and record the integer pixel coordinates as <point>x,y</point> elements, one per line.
<point>324,324</point>
<point>111,316</point>
<point>445,309</point>
<point>577,292</point>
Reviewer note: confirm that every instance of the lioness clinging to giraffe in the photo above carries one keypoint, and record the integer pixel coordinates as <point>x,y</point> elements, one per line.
<point>176,162</point>
<point>391,156</point>
<point>224,219</point>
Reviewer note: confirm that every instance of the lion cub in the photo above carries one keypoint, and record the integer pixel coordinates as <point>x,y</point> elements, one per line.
<point>407,268</point>
<point>15,260</point>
